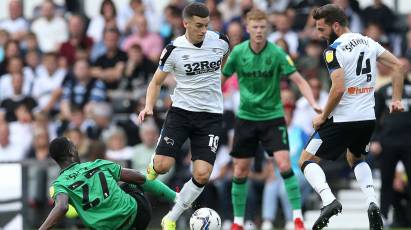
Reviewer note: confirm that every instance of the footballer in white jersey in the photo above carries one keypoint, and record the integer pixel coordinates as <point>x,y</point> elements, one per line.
<point>357,56</point>
<point>196,113</point>
<point>197,68</point>
<point>347,122</point>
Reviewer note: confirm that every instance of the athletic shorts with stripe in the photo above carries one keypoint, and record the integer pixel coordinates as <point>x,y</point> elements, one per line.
<point>333,139</point>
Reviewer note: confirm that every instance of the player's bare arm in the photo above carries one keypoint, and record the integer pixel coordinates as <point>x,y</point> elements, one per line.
<point>305,90</point>
<point>397,73</point>
<point>57,213</point>
<point>153,90</point>
<point>132,176</point>
<point>335,95</point>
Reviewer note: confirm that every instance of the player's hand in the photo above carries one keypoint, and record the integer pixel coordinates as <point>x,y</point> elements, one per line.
<point>317,109</point>
<point>318,121</point>
<point>146,112</point>
<point>396,106</point>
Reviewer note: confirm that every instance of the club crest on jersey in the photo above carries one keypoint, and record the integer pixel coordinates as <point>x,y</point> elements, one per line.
<point>329,56</point>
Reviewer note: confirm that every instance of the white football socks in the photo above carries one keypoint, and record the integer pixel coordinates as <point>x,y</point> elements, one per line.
<point>186,197</point>
<point>363,175</point>
<point>316,177</point>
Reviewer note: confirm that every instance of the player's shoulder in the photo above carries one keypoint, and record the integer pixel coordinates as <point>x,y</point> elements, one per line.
<point>99,162</point>
<point>274,48</point>
<point>215,36</point>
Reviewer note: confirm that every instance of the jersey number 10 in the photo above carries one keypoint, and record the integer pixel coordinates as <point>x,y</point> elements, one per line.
<point>87,204</point>
<point>363,70</point>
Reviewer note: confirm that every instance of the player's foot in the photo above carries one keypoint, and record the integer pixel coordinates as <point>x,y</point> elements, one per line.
<point>236,226</point>
<point>298,224</point>
<point>374,216</point>
<point>326,213</point>
<point>151,173</point>
<point>167,224</point>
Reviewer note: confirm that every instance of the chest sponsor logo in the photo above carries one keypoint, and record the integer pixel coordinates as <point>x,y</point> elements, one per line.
<point>359,90</point>
<point>196,68</point>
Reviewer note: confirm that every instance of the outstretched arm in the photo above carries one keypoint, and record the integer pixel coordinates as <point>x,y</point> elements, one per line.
<point>305,90</point>
<point>57,213</point>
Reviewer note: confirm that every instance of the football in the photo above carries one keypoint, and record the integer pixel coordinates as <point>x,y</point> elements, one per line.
<point>205,218</point>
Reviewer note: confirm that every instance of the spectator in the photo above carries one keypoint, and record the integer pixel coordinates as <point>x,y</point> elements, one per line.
<point>173,25</point>
<point>21,131</point>
<point>16,24</point>
<point>51,30</point>
<point>101,121</point>
<point>378,13</point>
<point>47,87</point>
<point>108,15</point>
<point>117,149</point>
<point>11,49</point>
<point>304,113</point>
<point>138,71</point>
<point>30,43</point>
<point>216,22</point>
<point>4,38</point>
<point>235,33</point>
<point>77,40</point>
<point>150,42</point>
<point>283,30</point>
<point>81,89</point>
<point>15,69</point>
<point>80,140</point>
<point>9,104</point>
<point>40,149</point>
<point>32,60</point>
<point>391,139</point>
<point>355,23</point>
<point>9,151</point>
<point>231,9</point>
<point>145,7</point>
<point>110,66</point>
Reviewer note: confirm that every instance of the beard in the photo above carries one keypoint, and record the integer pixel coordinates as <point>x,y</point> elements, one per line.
<point>333,37</point>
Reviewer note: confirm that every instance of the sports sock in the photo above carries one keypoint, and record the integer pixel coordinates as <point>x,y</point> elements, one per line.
<point>293,191</point>
<point>363,175</point>
<point>316,177</point>
<point>239,198</point>
<point>188,194</point>
<point>159,189</point>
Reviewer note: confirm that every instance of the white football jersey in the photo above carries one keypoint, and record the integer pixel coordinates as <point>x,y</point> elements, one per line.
<point>357,56</point>
<point>198,72</point>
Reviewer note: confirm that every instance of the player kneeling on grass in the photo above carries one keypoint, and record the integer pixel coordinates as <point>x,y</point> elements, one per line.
<point>92,189</point>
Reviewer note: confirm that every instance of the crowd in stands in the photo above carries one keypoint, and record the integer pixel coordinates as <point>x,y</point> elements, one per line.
<point>62,73</point>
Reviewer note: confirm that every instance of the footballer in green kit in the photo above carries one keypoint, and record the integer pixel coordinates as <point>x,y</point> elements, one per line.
<point>92,189</point>
<point>259,65</point>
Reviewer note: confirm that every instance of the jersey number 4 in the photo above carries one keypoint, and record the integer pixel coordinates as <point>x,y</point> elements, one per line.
<point>87,204</point>
<point>363,70</point>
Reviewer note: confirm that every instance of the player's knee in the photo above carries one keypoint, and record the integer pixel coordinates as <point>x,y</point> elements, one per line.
<point>241,170</point>
<point>162,166</point>
<point>284,166</point>
<point>201,176</point>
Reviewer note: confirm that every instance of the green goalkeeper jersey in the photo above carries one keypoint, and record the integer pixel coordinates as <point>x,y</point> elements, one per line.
<point>259,77</point>
<point>93,191</point>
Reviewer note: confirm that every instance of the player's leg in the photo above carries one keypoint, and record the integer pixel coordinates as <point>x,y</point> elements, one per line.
<point>244,148</point>
<point>173,134</point>
<point>328,143</point>
<point>274,138</point>
<point>239,188</point>
<point>357,148</point>
<point>144,210</point>
<point>204,133</point>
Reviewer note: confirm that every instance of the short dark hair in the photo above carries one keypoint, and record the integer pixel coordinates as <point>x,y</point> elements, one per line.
<point>195,9</point>
<point>61,149</point>
<point>330,13</point>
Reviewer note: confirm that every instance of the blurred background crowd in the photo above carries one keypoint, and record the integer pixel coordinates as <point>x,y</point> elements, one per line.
<point>63,73</point>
